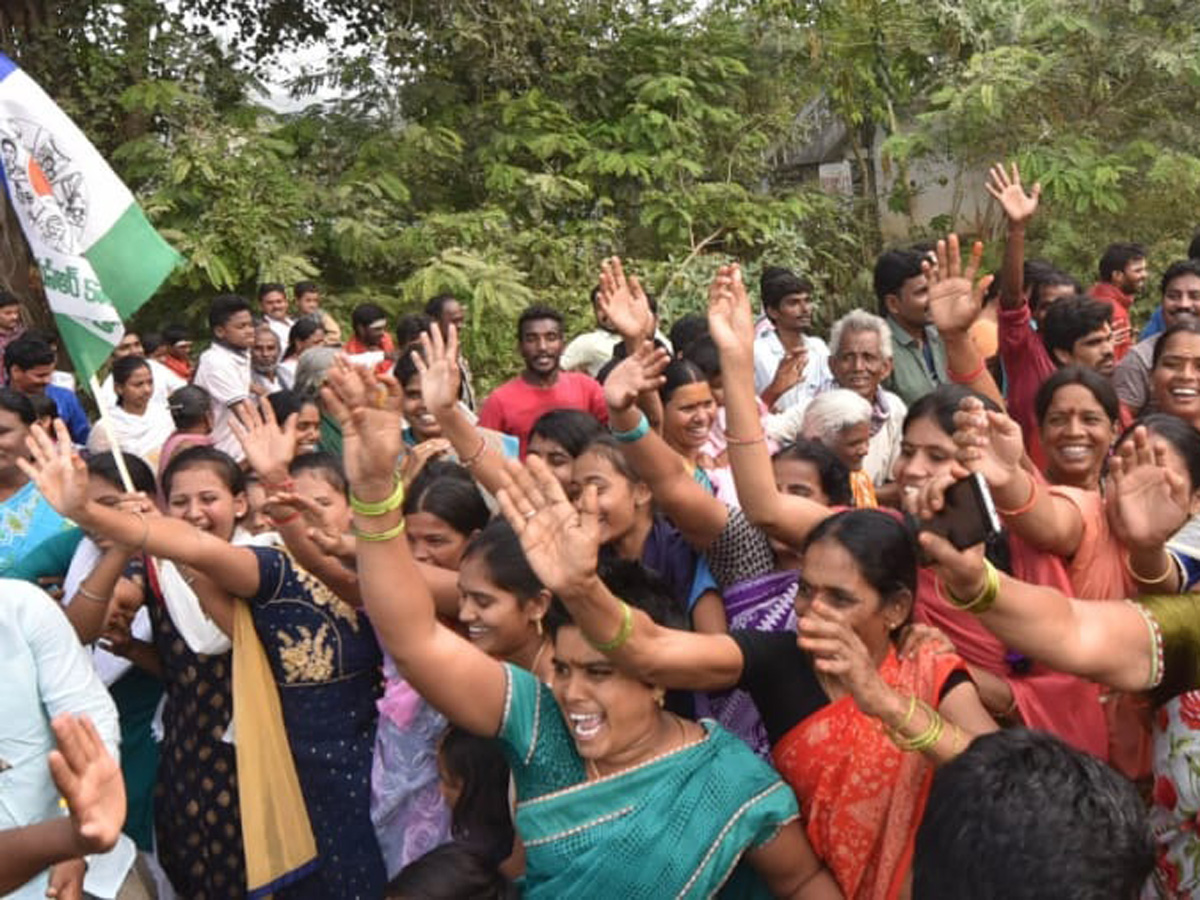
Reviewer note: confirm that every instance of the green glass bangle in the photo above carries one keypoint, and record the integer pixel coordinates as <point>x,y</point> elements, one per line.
<point>623,633</point>
<point>379,507</point>
<point>636,433</point>
<point>373,536</point>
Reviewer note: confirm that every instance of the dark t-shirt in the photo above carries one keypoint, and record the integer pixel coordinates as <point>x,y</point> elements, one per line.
<point>779,677</point>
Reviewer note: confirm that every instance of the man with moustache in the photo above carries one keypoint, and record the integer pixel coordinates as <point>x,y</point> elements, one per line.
<point>514,406</point>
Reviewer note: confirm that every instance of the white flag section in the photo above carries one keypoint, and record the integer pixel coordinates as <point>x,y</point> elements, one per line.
<point>100,258</point>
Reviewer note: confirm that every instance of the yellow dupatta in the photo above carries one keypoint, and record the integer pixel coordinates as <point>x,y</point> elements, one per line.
<point>278,838</point>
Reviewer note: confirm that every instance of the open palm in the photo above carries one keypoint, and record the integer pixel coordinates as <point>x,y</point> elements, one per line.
<point>367,407</point>
<point>1147,502</point>
<point>561,542</point>
<point>730,318</point>
<point>954,297</point>
<point>60,475</point>
<point>437,363</point>
<point>1006,188</point>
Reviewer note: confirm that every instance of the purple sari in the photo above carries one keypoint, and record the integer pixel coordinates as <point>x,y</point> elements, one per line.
<point>764,603</point>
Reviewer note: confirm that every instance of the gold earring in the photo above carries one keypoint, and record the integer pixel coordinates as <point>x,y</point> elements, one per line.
<point>538,624</point>
<point>660,697</point>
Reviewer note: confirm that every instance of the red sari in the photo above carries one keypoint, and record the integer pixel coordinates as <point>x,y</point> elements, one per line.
<point>861,796</point>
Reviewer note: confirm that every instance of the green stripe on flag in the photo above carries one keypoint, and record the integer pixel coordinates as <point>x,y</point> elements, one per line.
<point>131,261</point>
<point>88,351</point>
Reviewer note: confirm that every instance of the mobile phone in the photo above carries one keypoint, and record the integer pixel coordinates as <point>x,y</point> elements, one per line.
<point>968,516</point>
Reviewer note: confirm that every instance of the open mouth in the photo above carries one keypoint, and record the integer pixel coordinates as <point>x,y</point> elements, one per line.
<point>585,726</point>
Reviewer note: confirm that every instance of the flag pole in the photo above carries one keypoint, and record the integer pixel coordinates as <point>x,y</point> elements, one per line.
<point>109,432</point>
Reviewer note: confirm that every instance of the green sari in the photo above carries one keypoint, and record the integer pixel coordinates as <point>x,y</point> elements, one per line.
<point>675,826</point>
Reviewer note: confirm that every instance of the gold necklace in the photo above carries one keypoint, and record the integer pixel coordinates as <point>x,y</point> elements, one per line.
<point>533,668</point>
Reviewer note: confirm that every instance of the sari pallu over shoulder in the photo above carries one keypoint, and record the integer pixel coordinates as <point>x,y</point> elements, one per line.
<point>861,796</point>
<point>675,826</point>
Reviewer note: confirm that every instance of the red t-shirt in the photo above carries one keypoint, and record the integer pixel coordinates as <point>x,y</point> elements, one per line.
<point>516,405</point>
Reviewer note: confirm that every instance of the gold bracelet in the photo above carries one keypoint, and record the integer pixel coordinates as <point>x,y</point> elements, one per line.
<point>376,536</point>
<point>623,632</point>
<point>95,598</point>
<point>987,595</point>
<point>912,711</point>
<point>927,738</point>
<point>1166,573</point>
<point>379,507</point>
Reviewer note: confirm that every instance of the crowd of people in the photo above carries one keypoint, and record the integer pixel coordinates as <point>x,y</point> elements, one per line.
<point>668,613</point>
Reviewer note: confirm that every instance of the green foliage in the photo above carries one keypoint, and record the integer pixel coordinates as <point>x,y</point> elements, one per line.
<point>501,149</point>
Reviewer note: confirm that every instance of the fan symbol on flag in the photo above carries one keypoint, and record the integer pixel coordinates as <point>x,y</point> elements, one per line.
<point>43,184</point>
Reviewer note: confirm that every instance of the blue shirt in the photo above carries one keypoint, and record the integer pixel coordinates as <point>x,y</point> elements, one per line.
<point>70,410</point>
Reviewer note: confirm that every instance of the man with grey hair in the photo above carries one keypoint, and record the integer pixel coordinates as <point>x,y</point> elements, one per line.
<point>860,358</point>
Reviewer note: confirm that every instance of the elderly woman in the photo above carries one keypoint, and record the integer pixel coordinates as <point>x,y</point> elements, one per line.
<point>615,795</point>
<point>841,420</point>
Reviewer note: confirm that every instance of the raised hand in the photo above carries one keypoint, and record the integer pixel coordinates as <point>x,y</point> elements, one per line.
<point>437,361</point>
<point>988,442</point>
<point>60,475</point>
<point>90,781</point>
<point>838,651</point>
<point>367,407</point>
<point>561,542</point>
<point>416,458</point>
<point>730,317</point>
<point>962,572</point>
<point>1146,501</point>
<point>955,297</point>
<point>623,302</point>
<point>1018,206</point>
<point>639,372</point>
<point>269,447</point>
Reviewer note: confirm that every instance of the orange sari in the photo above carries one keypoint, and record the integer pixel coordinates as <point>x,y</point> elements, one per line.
<point>861,797</point>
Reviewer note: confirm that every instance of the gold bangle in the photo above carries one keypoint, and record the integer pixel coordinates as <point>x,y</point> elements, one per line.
<point>986,597</point>
<point>1166,573</point>
<point>912,711</point>
<point>379,507</point>
<point>623,632</point>
<point>95,598</point>
<point>376,536</point>
<point>927,738</point>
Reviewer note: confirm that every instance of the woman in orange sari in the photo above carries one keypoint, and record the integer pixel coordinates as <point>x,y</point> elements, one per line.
<point>856,727</point>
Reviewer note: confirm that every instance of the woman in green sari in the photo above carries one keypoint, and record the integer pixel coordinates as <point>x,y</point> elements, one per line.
<point>615,795</point>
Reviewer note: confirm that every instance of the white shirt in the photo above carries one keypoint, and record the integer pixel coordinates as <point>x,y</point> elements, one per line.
<point>769,352</point>
<point>282,329</point>
<point>44,671</point>
<point>165,381</point>
<point>225,374</point>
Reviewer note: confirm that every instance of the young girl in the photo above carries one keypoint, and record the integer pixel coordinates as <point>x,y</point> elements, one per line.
<point>321,654</point>
<point>474,779</point>
<point>631,530</point>
<point>140,426</point>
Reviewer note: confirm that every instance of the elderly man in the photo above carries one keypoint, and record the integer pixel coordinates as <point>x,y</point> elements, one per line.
<point>860,358</point>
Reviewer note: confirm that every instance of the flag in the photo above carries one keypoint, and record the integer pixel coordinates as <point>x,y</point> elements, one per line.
<point>100,258</point>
